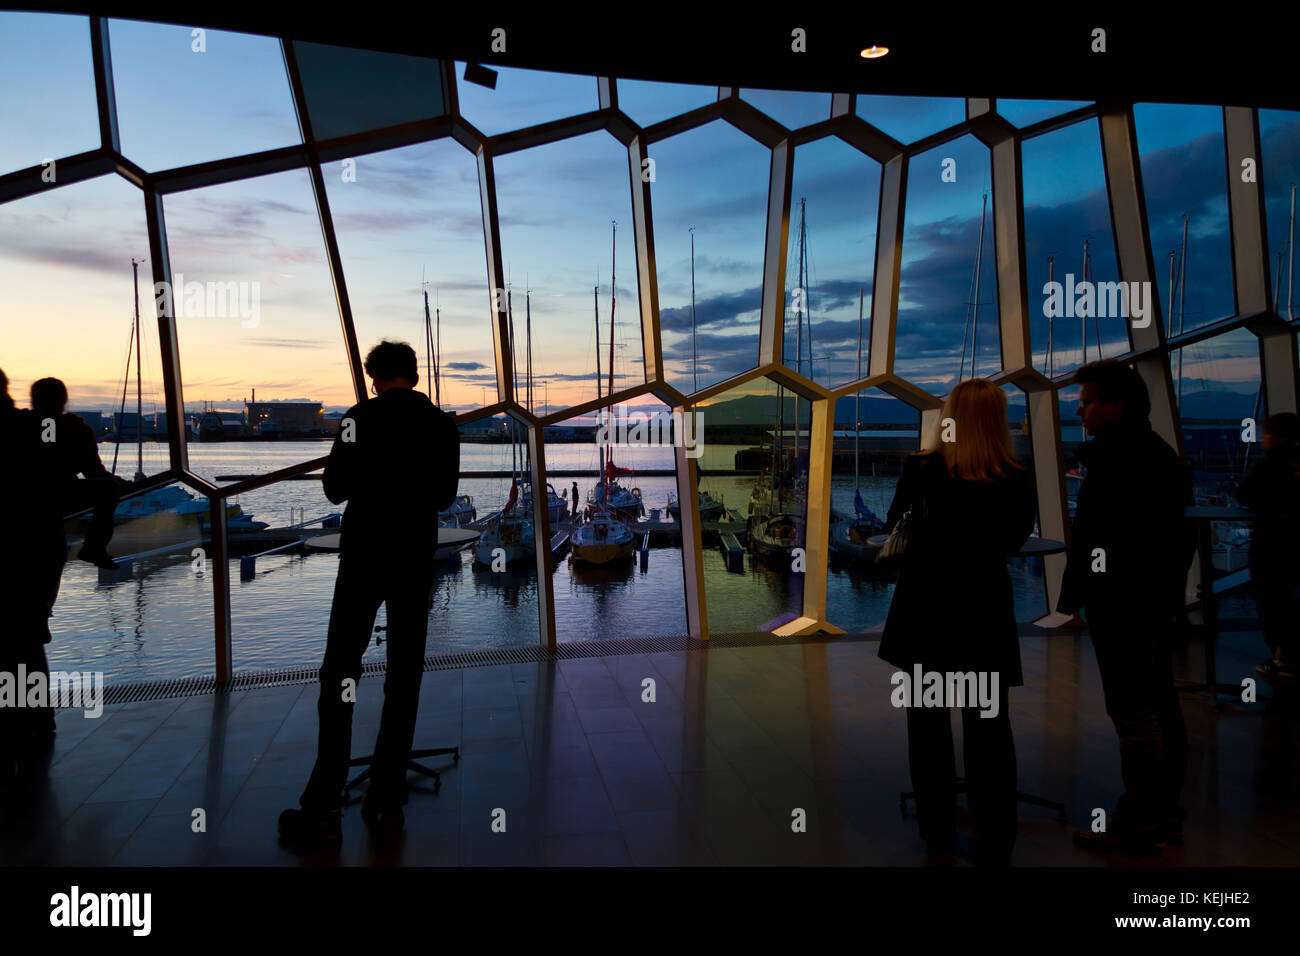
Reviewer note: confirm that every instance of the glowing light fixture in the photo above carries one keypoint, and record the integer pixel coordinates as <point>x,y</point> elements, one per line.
<point>874,52</point>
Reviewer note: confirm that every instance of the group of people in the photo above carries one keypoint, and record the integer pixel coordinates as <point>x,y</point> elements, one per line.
<point>970,505</point>
<point>52,470</point>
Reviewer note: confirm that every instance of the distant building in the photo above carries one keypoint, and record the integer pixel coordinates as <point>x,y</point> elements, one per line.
<point>126,429</point>
<point>95,420</point>
<point>216,425</point>
<point>275,420</point>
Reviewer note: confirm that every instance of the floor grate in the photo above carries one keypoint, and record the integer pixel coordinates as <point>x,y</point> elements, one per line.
<point>488,657</point>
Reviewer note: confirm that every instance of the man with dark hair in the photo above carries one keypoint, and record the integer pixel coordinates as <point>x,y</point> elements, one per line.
<point>1130,549</point>
<point>396,462</point>
<point>76,452</point>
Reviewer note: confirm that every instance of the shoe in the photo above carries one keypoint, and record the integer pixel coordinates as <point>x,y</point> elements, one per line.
<point>378,817</point>
<point>310,829</point>
<point>1125,842</point>
<point>99,559</point>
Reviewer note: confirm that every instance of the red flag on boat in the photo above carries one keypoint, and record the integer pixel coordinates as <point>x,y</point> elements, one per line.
<point>612,469</point>
<point>514,495</point>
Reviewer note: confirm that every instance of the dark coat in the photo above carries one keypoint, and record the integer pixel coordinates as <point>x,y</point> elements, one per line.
<point>1131,505</point>
<point>953,607</point>
<point>401,468</point>
<point>1272,490</point>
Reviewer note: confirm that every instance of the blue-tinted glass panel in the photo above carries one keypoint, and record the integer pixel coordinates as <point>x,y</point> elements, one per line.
<point>792,109</point>
<point>350,91</point>
<point>67,307</point>
<point>909,118</point>
<point>524,98</point>
<point>558,205</point>
<point>257,319</point>
<point>947,307</point>
<point>1029,112</point>
<point>47,109</point>
<point>184,98</point>
<point>713,179</point>
<point>1184,178</point>
<point>1066,207</point>
<point>833,210</point>
<point>411,215</point>
<point>647,102</point>
<point>1279,134</point>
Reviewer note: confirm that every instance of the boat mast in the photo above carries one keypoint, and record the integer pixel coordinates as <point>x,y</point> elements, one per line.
<point>514,368</point>
<point>613,298</point>
<point>979,266</point>
<point>437,356</point>
<point>1182,306</point>
<point>595,294</point>
<point>1290,273</point>
<point>528,339</point>
<point>139,393</point>
<point>695,379</point>
<point>798,335</point>
<point>857,417</point>
<point>428,343</point>
<point>1051,317</point>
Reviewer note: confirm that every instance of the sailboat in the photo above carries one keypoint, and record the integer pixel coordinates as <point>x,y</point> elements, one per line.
<point>603,538</point>
<point>168,512</point>
<point>510,531</point>
<point>607,492</point>
<point>777,502</point>
<point>462,510</point>
<point>710,508</point>
<point>849,534</point>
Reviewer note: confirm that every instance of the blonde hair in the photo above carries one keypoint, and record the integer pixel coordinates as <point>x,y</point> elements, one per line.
<point>981,449</point>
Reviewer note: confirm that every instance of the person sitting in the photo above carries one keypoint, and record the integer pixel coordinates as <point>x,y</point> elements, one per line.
<point>76,452</point>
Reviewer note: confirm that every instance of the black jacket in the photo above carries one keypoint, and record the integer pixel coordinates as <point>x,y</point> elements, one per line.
<point>1131,505</point>
<point>953,607</point>
<point>399,470</point>
<point>1272,490</point>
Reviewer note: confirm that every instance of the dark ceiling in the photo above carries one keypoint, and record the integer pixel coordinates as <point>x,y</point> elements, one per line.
<point>998,51</point>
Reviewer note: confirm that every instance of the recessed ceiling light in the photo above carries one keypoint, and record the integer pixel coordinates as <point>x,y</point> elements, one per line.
<point>872,52</point>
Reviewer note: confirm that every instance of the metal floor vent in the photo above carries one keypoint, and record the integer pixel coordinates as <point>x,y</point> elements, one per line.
<point>575,650</point>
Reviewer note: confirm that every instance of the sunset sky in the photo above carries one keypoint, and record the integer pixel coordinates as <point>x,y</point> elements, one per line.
<point>65,272</point>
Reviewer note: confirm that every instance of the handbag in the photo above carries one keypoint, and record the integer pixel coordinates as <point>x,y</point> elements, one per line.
<point>895,546</point>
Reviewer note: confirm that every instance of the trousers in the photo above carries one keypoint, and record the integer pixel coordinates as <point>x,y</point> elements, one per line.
<point>363,583</point>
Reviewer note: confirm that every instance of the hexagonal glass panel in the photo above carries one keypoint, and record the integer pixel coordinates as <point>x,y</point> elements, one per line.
<point>710,186</point>
<point>67,294</point>
<point>947,306</point>
<point>48,109</point>
<point>756,460</point>
<point>1185,181</point>
<point>1279,131</point>
<point>874,434</point>
<point>191,96</point>
<point>566,222</point>
<point>152,618</point>
<point>260,340</point>
<point>910,118</point>
<point>648,102</point>
<point>351,91</point>
<point>792,109</point>
<point>524,98</point>
<point>1077,313</point>
<point>1028,112</point>
<point>408,216</point>
<point>830,261</point>
<point>602,587</point>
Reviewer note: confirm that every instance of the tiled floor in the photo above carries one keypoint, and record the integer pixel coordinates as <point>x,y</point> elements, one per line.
<point>584,771</point>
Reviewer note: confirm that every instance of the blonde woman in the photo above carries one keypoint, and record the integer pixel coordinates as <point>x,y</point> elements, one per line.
<point>972,507</point>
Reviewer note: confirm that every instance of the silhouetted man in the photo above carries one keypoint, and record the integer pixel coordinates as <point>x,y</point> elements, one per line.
<point>76,452</point>
<point>1129,554</point>
<point>396,462</point>
<point>31,560</point>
